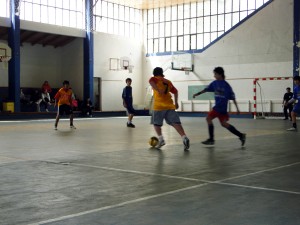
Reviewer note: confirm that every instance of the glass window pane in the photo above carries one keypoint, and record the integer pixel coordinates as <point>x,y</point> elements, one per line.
<point>187,13</point>
<point>259,3</point>
<point>66,18</point>
<point>44,15</point>
<point>193,42</point>
<point>138,18</point>
<point>180,11</point>
<point>228,6</point>
<point>156,15</point>
<point>59,3</point>
<point>236,6</point>
<point>235,18</point>
<point>227,21</point>
<point>214,23</point>
<point>199,41</point>
<point>244,5</point>
<point>110,10</point>
<point>104,9</point>
<point>156,30</point>
<point>174,12</point>
<point>180,27</point>
<point>187,26</point>
<point>168,29</point>
<point>193,26</point>
<point>37,13</point>
<point>97,9</point>
<point>214,7</point>
<point>155,47</point>
<point>121,28</point>
<point>66,4</point>
<point>150,31</point>
<point>251,4</point>
<point>51,18</point>
<point>200,25</point>
<point>180,43</point>
<point>127,29</point>
<point>162,14</point>
<point>59,17</point>
<point>104,25</point>
<point>110,26</point>
<point>221,22</point>
<point>150,16</point>
<point>137,31</point>
<point>131,34</point>
<point>206,8</point>
<point>200,9</point>
<point>174,28</point>
<point>206,39</point>
<point>132,15</point>
<point>73,19</point>
<point>80,6</point>
<point>72,5</point>
<point>51,3</point>
<point>174,44</point>
<point>150,46</point>
<point>116,11</point>
<point>161,45</point>
<point>116,27</point>
<point>168,13</point>
<point>121,12</point>
<point>213,36</point>
<point>221,6</point>
<point>161,29</point>
<point>243,15</point>
<point>193,9</point>
<point>207,24</point>
<point>186,42</point>
<point>220,33</point>
<point>168,44</point>
<point>127,14</point>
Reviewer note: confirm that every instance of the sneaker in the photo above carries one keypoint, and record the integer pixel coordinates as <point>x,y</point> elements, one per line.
<point>292,129</point>
<point>186,143</point>
<point>130,125</point>
<point>208,142</point>
<point>72,127</point>
<point>47,110</point>
<point>243,139</point>
<point>160,143</point>
<point>55,127</point>
<point>285,119</point>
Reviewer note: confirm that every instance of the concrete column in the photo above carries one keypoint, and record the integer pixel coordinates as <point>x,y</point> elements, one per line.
<point>296,38</point>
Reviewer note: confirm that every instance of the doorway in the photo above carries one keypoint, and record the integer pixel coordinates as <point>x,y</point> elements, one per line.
<point>97,94</point>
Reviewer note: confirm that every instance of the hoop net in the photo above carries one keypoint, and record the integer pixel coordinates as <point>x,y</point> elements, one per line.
<point>4,61</point>
<point>186,70</point>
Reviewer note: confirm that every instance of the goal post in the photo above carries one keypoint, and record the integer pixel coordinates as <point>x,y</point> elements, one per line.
<point>268,96</point>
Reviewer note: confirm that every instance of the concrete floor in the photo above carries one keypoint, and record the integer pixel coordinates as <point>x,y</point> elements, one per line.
<point>105,173</point>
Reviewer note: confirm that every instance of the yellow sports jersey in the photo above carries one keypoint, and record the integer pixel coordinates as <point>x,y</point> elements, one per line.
<point>64,97</point>
<point>163,101</point>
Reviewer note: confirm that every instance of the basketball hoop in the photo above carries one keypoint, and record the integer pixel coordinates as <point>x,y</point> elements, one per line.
<point>130,68</point>
<point>4,61</point>
<point>186,70</point>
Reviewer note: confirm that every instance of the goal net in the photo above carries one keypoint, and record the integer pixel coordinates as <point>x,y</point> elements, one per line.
<point>268,96</point>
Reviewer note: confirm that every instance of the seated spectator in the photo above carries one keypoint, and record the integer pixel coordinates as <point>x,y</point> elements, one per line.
<point>87,107</point>
<point>45,99</point>
<point>46,86</point>
<point>23,98</point>
<point>36,99</point>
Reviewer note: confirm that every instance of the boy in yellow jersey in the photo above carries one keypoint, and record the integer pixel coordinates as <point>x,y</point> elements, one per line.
<point>63,99</point>
<point>164,108</point>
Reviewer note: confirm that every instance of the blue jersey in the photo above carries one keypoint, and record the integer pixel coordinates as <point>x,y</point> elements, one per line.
<point>127,95</point>
<point>296,94</point>
<point>223,93</point>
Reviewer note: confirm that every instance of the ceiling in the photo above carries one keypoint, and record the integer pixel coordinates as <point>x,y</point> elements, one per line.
<point>35,38</point>
<point>150,4</point>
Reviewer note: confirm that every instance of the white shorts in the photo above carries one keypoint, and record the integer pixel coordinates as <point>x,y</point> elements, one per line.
<point>170,116</point>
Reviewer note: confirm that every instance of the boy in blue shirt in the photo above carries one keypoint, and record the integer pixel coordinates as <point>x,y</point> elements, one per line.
<point>127,102</point>
<point>223,93</point>
<point>296,97</point>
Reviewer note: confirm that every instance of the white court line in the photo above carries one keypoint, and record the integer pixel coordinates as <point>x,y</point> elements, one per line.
<point>166,193</point>
<point>118,205</point>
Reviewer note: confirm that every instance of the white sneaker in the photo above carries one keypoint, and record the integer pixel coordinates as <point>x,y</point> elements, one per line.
<point>161,143</point>
<point>186,143</point>
<point>292,129</point>
<point>72,127</point>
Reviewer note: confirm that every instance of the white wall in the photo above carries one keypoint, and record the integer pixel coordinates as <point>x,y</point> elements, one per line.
<point>260,47</point>
<point>111,46</point>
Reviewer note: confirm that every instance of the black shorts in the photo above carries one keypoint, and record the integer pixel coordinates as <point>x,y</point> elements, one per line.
<point>65,109</point>
<point>130,109</point>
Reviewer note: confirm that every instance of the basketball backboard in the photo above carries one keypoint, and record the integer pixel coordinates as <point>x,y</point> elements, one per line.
<point>182,61</point>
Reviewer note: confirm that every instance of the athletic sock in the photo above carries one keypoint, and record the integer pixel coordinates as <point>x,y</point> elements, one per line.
<point>160,138</point>
<point>234,131</point>
<point>211,131</point>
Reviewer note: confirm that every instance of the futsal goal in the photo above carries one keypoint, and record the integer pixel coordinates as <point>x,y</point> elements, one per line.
<point>268,96</point>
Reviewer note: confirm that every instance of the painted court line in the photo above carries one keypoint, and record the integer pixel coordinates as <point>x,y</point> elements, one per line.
<point>117,205</point>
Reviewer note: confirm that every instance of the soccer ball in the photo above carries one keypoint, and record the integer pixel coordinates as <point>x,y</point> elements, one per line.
<point>153,141</point>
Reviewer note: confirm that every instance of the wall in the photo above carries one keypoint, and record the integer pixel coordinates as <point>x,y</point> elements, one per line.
<point>260,47</point>
<point>111,46</point>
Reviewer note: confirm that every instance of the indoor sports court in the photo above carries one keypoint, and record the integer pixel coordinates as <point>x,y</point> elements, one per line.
<point>105,171</point>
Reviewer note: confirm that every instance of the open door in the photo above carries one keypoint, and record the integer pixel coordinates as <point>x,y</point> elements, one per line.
<point>97,94</point>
